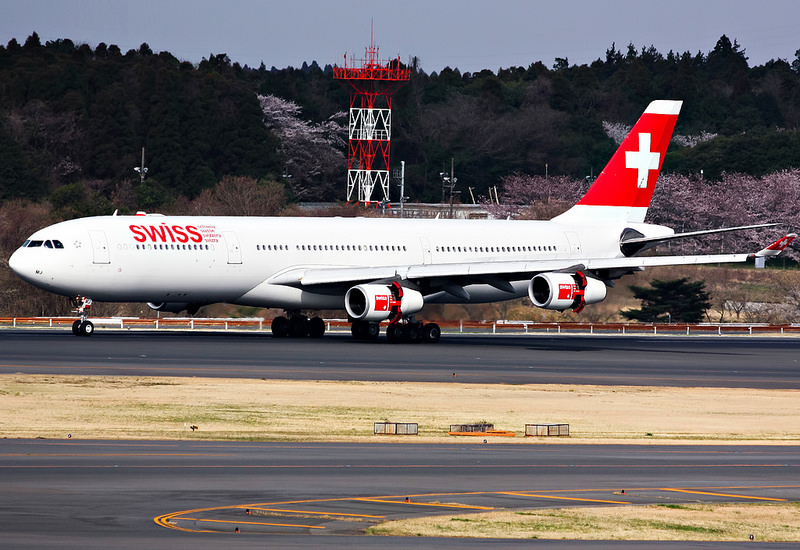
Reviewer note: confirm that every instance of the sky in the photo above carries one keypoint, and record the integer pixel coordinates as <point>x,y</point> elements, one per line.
<point>470,35</point>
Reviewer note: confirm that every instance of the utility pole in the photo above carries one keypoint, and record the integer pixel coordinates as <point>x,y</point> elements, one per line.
<point>452,184</point>
<point>402,186</point>
<point>448,185</point>
<point>141,169</point>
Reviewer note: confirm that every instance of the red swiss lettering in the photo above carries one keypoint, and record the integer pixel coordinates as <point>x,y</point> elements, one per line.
<point>195,236</point>
<point>171,236</point>
<point>163,233</point>
<point>180,234</point>
<point>137,232</point>
<point>154,232</point>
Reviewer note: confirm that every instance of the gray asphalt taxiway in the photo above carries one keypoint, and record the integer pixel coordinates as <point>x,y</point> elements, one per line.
<point>704,361</point>
<point>99,494</point>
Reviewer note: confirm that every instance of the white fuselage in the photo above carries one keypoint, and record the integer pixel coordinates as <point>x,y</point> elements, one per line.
<point>182,259</point>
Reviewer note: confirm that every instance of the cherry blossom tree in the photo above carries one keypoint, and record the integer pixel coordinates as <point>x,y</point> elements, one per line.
<point>536,197</point>
<point>313,153</point>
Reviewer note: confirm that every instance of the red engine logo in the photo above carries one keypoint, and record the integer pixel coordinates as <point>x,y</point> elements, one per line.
<point>565,291</point>
<point>381,302</point>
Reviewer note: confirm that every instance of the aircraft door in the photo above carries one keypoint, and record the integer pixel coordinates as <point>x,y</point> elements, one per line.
<point>574,242</point>
<point>100,253</point>
<point>426,250</point>
<point>234,250</point>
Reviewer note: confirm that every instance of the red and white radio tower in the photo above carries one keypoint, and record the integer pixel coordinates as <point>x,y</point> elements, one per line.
<point>372,83</point>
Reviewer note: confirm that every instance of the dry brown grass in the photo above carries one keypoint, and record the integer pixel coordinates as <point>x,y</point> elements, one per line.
<point>696,522</point>
<point>107,407</point>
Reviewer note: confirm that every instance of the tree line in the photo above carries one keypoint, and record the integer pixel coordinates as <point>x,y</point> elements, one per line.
<point>73,120</point>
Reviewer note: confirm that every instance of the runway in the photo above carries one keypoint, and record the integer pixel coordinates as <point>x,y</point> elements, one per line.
<point>694,361</point>
<point>131,494</point>
<point>95,494</point>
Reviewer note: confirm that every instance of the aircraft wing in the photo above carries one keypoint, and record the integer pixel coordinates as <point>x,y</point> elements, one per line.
<point>495,271</point>
<point>632,245</point>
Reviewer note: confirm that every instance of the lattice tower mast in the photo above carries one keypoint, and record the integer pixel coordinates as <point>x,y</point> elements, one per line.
<point>372,83</point>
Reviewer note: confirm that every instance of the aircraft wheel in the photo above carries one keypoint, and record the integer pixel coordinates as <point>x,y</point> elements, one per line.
<point>316,327</point>
<point>76,327</point>
<point>390,333</point>
<point>280,327</point>
<point>414,332</point>
<point>431,333</point>
<point>399,332</point>
<point>371,331</point>
<point>298,326</point>
<point>86,328</point>
<point>360,330</point>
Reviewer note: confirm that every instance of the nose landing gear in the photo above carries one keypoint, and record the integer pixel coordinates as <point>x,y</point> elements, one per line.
<point>82,326</point>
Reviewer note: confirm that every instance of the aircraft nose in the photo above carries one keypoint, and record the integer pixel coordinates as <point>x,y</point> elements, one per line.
<point>18,264</point>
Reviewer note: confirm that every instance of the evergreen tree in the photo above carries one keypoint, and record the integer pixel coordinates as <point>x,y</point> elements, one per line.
<point>674,300</point>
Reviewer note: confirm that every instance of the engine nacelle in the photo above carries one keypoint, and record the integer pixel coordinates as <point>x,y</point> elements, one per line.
<point>562,291</point>
<point>173,307</point>
<point>380,302</point>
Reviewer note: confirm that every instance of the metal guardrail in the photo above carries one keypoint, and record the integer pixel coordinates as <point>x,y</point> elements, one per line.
<point>493,327</point>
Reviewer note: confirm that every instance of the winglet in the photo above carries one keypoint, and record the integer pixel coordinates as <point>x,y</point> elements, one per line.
<point>773,250</point>
<point>777,247</point>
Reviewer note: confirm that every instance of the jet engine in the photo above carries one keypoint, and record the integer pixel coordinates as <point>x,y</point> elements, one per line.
<point>561,291</point>
<point>381,302</point>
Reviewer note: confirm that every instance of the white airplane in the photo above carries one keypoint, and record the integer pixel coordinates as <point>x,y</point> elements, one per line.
<point>376,269</point>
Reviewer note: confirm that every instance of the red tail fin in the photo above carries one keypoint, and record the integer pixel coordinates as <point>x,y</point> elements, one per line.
<point>623,190</point>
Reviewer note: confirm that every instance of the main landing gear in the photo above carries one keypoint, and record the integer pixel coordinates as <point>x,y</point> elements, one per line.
<point>414,332</point>
<point>410,331</point>
<point>82,326</point>
<point>297,326</point>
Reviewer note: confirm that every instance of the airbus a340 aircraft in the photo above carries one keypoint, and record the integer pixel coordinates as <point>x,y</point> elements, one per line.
<point>376,269</point>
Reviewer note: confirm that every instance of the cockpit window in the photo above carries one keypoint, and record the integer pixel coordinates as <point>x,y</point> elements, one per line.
<point>47,244</point>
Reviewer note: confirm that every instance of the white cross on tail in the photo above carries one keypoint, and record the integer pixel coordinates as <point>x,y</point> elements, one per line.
<point>642,160</point>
